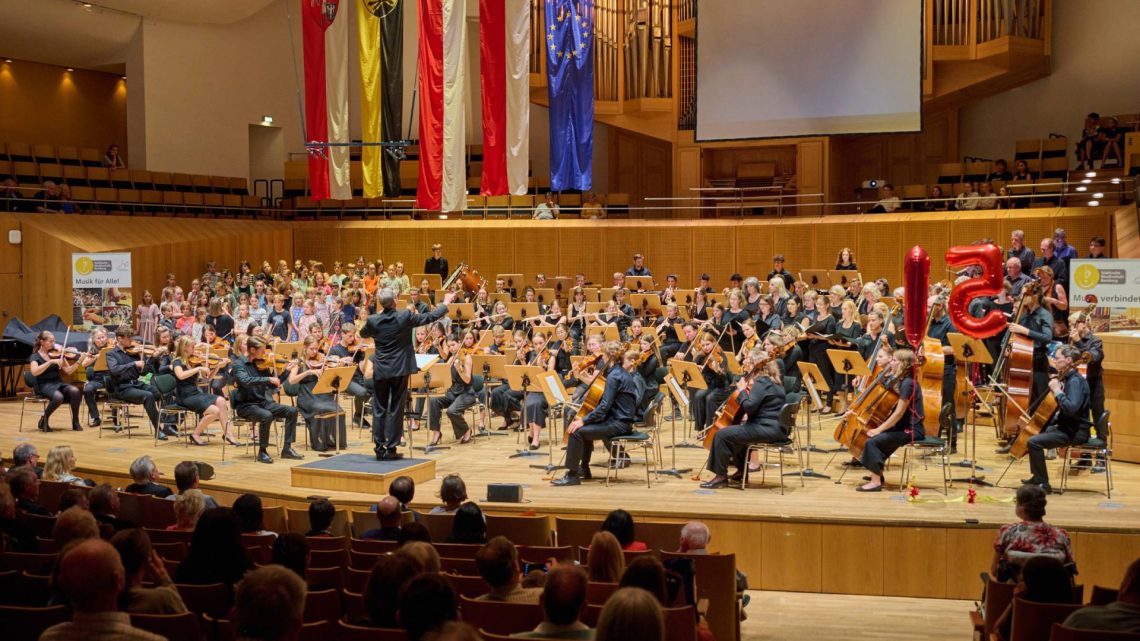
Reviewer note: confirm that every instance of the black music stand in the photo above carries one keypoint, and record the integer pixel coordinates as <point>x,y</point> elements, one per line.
<point>335,380</point>
<point>812,380</point>
<point>430,376</point>
<point>848,363</point>
<point>491,365</point>
<point>689,376</point>
<point>556,399</point>
<point>971,351</point>
<point>680,401</point>
<point>525,378</point>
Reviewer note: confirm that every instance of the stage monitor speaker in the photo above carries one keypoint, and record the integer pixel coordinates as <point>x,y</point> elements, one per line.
<point>505,492</point>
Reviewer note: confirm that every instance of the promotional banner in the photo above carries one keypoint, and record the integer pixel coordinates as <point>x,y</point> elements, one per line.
<point>100,290</point>
<point>1113,285</point>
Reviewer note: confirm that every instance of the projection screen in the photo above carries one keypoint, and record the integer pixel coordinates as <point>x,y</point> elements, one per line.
<point>776,68</point>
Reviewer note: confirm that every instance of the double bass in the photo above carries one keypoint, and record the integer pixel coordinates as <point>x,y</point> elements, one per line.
<point>932,363</point>
<point>1016,368</point>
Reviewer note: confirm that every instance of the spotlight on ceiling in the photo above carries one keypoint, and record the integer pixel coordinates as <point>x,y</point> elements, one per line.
<point>9,60</point>
<point>1094,203</point>
<point>1098,195</point>
<point>1090,174</point>
<point>71,69</point>
<point>1082,188</point>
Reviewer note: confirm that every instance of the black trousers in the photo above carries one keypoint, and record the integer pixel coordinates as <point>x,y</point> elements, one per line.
<point>263,413</point>
<point>389,397</point>
<point>1096,399</point>
<point>949,387</point>
<point>879,448</point>
<point>581,446</point>
<point>138,395</point>
<point>705,403</point>
<point>360,390</point>
<point>89,389</point>
<point>454,405</point>
<point>730,444</point>
<point>1050,439</point>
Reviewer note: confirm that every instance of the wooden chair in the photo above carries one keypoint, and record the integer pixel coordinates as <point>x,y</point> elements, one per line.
<point>299,522</point>
<point>1102,595</point>
<point>275,518</point>
<point>29,562</point>
<point>787,420</point>
<point>173,551</point>
<point>168,536</point>
<point>500,617</point>
<point>598,592</point>
<point>356,580</point>
<point>998,597</point>
<point>213,599</point>
<point>457,550</point>
<point>363,520</point>
<point>1032,621</point>
<point>353,602</point>
<point>372,547</point>
<point>521,530</point>
<point>50,493</point>
<point>349,632</point>
<point>459,566</point>
<point>175,627</point>
<point>542,553</point>
<point>322,605</point>
<point>491,636</point>
<point>468,586</point>
<point>327,543</point>
<point>27,624</point>
<point>22,589</point>
<point>575,532</point>
<point>438,525</point>
<point>658,536</point>
<point>41,525</point>
<point>325,577</point>
<point>327,558</point>
<point>716,582</point>
<point>250,540</point>
<point>1060,633</point>
<point>363,560</point>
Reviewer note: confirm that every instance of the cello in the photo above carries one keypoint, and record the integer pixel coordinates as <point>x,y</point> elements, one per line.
<point>873,406</point>
<point>1016,368</point>
<point>730,411</point>
<point>593,394</point>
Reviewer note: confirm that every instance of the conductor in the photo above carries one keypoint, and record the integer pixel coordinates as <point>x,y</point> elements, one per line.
<point>393,362</point>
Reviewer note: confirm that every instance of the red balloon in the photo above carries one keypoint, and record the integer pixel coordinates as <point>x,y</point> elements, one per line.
<point>916,270</point>
<point>988,284</point>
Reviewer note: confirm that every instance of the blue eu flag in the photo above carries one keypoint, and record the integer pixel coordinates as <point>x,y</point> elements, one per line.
<point>570,87</point>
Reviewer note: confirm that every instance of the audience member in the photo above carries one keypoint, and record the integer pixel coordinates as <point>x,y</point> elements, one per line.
<point>21,537</point>
<point>388,513</point>
<point>412,532</point>
<point>104,501</point>
<point>563,602</point>
<point>605,561</point>
<point>987,199</point>
<point>1000,171</point>
<point>937,200</point>
<point>186,478</point>
<point>422,554</point>
<point>453,631</point>
<point>26,454</point>
<point>1122,615</point>
<point>321,515</point>
<point>292,551</point>
<point>1043,580</point>
<point>1096,247</point>
<point>591,210</point>
<point>92,577</point>
<point>469,525</point>
<point>145,474</point>
<point>112,159</point>
<point>47,198</point>
<point>547,209</point>
<point>11,200</point>
<point>453,492</point>
<point>269,605</point>
<point>1110,138</point>
<point>74,497</point>
<point>620,524</point>
<point>188,507</point>
<point>74,524</point>
<point>888,202</point>
<point>1090,146</point>
<point>1031,536</point>
<point>968,199</point>
<point>25,487</point>
<point>695,539</point>
<point>60,463</point>
<point>647,572</point>
<point>631,614</point>
<point>141,563</point>
<point>426,602</point>
<point>403,488</point>
<point>498,563</point>
<point>247,508</point>
<point>382,591</point>
<point>216,551</point>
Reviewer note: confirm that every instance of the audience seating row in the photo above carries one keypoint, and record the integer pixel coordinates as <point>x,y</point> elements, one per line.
<point>478,206</point>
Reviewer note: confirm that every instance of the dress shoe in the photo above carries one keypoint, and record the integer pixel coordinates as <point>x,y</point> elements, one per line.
<point>620,464</point>
<point>194,441</point>
<point>43,425</point>
<point>1045,487</point>
<point>76,427</point>
<point>170,430</point>
<point>1004,449</point>
<point>291,453</point>
<point>585,473</point>
<point>393,456</point>
<point>715,484</point>
<point>1029,481</point>
<point>161,436</point>
<point>263,457</point>
<point>534,446</point>
<point>568,479</point>
<point>863,488</point>
<point>738,477</point>
<point>94,422</point>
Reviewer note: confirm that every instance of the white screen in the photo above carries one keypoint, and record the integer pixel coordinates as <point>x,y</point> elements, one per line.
<point>773,68</point>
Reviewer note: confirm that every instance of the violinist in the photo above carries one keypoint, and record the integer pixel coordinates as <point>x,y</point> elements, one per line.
<point>1069,424</point>
<point>498,340</point>
<point>763,397</point>
<point>750,339</point>
<point>220,320</point>
<point>560,347</point>
<point>505,401</point>
<point>940,328</point>
<point>96,380</point>
<point>211,341</point>
<point>733,316</point>
<point>667,331</point>
<point>256,380</point>
<point>649,370</point>
<point>304,374</point>
<point>460,397</point>
<point>536,406</point>
<point>582,376</point>
<point>350,350</point>
<point>125,363</point>
<point>904,425</point>
<point>576,313</point>
<point>613,416</point>
<point>47,363</point>
<point>714,369</point>
<point>1083,339</point>
<point>187,369</point>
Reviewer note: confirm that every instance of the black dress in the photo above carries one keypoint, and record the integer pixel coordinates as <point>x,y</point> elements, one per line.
<point>189,394</point>
<point>49,381</point>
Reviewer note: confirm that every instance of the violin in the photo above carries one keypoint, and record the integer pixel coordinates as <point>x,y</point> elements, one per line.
<point>67,353</point>
<point>141,350</point>
<point>586,364</point>
<point>208,359</point>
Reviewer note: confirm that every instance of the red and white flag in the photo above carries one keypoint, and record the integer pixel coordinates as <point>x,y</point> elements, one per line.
<point>504,68</point>
<point>442,73</point>
<point>325,34</point>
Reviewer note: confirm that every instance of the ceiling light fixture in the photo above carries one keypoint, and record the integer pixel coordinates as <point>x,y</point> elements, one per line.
<point>71,68</point>
<point>1094,203</point>
<point>267,120</point>
<point>9,60</point>
<point>1091,174</point>
<point>1086,181</point>
<point>1082,188</point>
<point>1115,181</point>
<point>1098,195</point>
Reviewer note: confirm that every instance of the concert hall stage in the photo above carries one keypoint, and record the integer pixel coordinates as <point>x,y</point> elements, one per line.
<point>822,537</point>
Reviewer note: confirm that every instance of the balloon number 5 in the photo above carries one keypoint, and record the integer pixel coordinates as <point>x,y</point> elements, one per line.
<point>989,258</point>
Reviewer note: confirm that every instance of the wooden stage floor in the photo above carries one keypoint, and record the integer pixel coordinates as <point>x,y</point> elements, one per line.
<point>488,460</point>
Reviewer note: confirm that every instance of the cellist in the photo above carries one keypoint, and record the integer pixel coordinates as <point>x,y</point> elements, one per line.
<point>904,424</point>
<point>1037,323</point>
<point>762,398</point>
<point>1070,424</point>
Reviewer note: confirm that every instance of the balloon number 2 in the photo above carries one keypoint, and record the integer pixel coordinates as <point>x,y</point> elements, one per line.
<point>989,258</point>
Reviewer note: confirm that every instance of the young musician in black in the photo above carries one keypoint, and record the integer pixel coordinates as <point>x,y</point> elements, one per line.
<point>1070,424</point>
<point>903,425</point>
<point>460,397</point>
<point>48,370</point>
<point>714,369</point>
<point>125,363</point>
<point>667,331</point>
<point>1086,343</point>
<point>350,351</point>
<point>762,397</point>
<point>96,380</point>
<point>940,328</point>
<point>253,400</point>
<point>613,416</point>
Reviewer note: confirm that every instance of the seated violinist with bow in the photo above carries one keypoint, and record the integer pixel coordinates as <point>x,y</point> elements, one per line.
<point>1070,423</point>
<point>762,396</point>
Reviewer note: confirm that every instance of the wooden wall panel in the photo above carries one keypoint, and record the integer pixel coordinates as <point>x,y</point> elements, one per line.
<point>968,553</point>
<point>792,556</point>
<point>1081,228</point>
<point>972,227</point>
<point>620,247</point>
<point>852,559</point>
<point>828,239</point>
<point>795,242</point>
<point>356,242</point>
<point>456,248</point>
<point>580,250</point>
<point>11,300</point>
<point>534,251</point>
<point>932,236</point>
<point>670,251</point>
<point>12,256</point>
<point>493,254</point>
<point>714,251</point>
<point>1102,558</point>
<point>917,565</point>
<point>880,247</point>
<point>406,244</point>
<point>754,251</point>
<point>47,273</point>
<point>319,242</point>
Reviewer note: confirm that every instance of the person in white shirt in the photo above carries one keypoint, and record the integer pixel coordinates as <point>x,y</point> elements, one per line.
<point>546,210</point>
<point>888,203</point>
<point>968,199</point>
<point>987,199</point>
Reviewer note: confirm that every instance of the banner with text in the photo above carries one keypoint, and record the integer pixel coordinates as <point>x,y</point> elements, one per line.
<point>100,290</point>
<point>1113,285</point>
